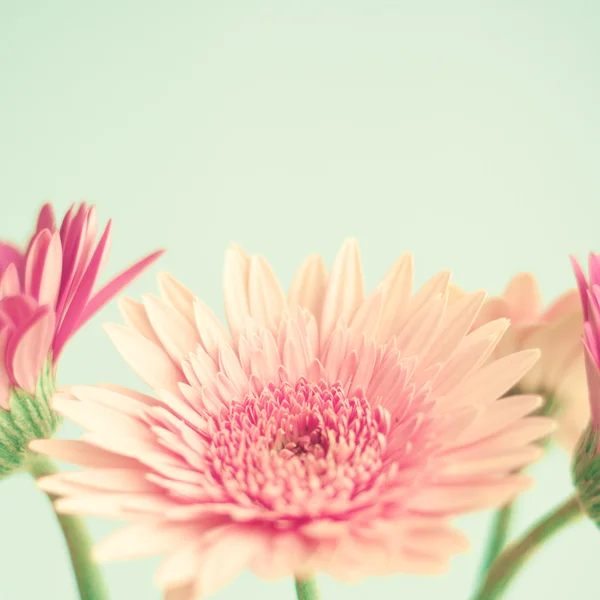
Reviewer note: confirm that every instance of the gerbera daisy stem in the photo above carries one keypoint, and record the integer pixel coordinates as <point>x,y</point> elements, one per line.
<point>306,589</point>
<point>513,558</point>
<point>503,516</point>
<point>90,582</point>
<point>498,537</point>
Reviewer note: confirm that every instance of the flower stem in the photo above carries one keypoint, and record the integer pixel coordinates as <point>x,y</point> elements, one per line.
<point>514,557</point>
<point>87,573</point>
<point>498,537</point>
<point>306,589</point>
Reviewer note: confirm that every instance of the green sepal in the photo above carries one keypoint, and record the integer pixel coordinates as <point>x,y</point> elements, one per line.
<point>30,417</point>
<point>586,473</point>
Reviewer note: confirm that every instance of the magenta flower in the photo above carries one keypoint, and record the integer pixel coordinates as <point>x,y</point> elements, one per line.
<point>590,301</point>
<point>47,292</point>
<point>325,431</point>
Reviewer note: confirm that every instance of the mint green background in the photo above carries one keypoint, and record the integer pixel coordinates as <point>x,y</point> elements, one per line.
<point>465,132</point>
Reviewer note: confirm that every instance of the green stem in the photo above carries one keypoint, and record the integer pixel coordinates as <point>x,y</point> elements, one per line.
<point>87,573</point>
<point>498,537</point>
<point>504,515</point>
<point>514,557</point>
<point>306,589</point>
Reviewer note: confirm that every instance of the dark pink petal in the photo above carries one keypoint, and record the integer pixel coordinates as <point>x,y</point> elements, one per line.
<point>66,223</point>
<point>114,286</point>
<point>28,348</point>
<point>593,379</point>
<point>82,295</point>
<point>581,284</point>
<point>10,284</point>
<point>46,219</point>
<point>4,376</point>
<point>17,309</point>
<point>594,267</point>
<point>77,252</point>
<point>10,254</point>
<point>43,267</point>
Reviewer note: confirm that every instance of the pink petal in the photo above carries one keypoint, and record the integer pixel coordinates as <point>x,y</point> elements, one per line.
<point>73,314</point>
<point>10,254</point>
<point>28,348</point>
<point>10,285</point>
<point>17,309</point>
<point>43,268</point>
<point>46,219</point>
<point>581,284</point>
<point>5,382</point>
<point>107,292</point>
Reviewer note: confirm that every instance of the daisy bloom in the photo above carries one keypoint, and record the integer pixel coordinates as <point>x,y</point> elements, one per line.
<point>559,375</point>
<point>46,295</point>
<point>322,431</point>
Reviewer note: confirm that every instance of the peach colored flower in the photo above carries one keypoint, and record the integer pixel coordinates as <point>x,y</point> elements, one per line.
<point>556,331</point>
<point>323,431</point>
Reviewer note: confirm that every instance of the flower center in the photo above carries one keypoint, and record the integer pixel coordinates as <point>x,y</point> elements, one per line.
<point>299,448</point>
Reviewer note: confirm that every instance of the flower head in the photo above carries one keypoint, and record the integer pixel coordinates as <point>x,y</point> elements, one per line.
<point>323,431</point>
<point>559,375</point>
<point>586,463</point>
<point>46,295</point>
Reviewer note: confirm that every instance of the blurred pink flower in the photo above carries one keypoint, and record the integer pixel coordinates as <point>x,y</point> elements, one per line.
<point>46,292</point>
<point>323,432</point>
<point>590,300</point>
<point>556,331</point>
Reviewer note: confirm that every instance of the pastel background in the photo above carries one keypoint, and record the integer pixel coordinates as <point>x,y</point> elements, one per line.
<point>468,133</point>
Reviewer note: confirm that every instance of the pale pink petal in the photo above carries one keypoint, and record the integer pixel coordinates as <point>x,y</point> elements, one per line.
<point>308,285</point>
<point>151,363</point>
<point>523,297</point>
<point>176,334</point>
<point>396,287</point>
<point>141,539</point>
<point>266,300</point>
<point>135,316</point>
<point>81,454</point>
<point>235,289</point>
<point>177,295</point>
<point>344,292</point>
<point>212,333</point>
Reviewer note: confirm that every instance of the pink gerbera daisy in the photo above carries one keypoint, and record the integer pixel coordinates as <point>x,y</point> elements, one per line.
<point>322,432</point>
<point>46,295</point>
